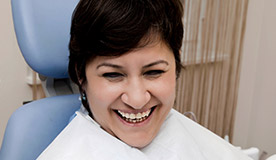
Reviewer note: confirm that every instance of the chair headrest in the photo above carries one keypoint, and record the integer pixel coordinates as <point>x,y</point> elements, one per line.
<point>43,30</point>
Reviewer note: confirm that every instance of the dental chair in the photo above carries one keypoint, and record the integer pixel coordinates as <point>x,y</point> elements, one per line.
<point>42,30</point>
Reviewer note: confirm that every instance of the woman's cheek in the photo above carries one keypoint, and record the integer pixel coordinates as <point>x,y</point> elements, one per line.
<point>105,93</point>
<point>164,90</point>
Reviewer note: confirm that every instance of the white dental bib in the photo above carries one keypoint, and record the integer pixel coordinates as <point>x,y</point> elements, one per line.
<point>179,138</point>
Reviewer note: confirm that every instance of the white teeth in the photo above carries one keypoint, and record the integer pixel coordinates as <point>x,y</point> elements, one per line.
<point>139,115</point>
<point>135,117</point>
<point>132,116</point>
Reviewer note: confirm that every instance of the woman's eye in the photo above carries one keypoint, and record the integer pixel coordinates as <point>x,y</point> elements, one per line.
<point>112,75</point>
<point>154,73</point>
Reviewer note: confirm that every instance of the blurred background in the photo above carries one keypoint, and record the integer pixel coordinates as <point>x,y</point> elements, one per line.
<point>242,106</point>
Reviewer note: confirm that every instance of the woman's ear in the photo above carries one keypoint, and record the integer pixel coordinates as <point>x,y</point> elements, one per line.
<point>82,84</point>
<point>80,80</point>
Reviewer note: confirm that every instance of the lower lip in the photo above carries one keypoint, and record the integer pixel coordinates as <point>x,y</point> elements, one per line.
<point>139,124</point>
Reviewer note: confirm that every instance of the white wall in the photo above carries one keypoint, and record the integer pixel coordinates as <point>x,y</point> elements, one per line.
<point>256,110</point>
<point>13,89</point>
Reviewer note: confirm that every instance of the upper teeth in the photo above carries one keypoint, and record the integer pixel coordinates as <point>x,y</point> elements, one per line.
<point>135,116</point>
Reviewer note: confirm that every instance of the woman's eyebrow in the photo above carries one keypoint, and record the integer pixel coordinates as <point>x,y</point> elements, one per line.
<point>109,65</point>
<point>155,63</point>
<point>120,67</point>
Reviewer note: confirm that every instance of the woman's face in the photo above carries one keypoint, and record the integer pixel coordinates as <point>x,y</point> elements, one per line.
<point>131,95</point>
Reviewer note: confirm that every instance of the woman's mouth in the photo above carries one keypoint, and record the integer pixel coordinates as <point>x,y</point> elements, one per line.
<point>137,117</point>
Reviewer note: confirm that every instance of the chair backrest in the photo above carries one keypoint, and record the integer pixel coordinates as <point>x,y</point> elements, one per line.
<point>42,29</point>
<point>35,125</point>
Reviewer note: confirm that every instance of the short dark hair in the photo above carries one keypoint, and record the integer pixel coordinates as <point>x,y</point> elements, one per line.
<point>115,27</point>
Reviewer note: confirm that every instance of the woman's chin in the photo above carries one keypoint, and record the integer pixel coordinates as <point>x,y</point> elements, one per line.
<point>139,144</point>
<point>139,140</point>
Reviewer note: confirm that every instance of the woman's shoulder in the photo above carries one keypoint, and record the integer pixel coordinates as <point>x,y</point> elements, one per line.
<point>186,137</point>
<point>83,138</point>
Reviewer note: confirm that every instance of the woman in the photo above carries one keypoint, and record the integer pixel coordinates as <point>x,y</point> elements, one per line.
<point>125,55</point>
<point>125,58</point>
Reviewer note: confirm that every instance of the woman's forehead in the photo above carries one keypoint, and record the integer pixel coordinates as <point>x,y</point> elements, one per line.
<point>148,54</point>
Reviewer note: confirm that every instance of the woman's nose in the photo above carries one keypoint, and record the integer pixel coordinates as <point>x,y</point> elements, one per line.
<point>136,95</point>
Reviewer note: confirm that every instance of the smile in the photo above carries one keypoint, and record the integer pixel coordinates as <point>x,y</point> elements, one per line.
<point>135,118</point>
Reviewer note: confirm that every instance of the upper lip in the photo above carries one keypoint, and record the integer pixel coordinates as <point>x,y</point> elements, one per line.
<point>135,111</point>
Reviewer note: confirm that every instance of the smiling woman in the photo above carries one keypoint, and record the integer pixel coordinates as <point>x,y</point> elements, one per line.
<point>125,58</point>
